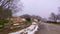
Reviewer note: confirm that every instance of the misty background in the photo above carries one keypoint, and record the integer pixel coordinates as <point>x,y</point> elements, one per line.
<point>41,8</point>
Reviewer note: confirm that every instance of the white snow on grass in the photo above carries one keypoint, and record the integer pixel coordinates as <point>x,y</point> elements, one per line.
<point>29,30</point>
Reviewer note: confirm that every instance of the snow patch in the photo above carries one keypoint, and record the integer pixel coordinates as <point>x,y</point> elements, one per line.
<point>29,30</point>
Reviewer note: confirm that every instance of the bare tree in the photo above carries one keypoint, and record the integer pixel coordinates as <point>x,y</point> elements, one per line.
<point>4,13</point>
<point>7,8</point>
<point>58,15</point>
<point>53,17</point>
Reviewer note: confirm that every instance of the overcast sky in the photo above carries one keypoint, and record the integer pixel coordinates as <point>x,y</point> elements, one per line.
<point>42,8</point>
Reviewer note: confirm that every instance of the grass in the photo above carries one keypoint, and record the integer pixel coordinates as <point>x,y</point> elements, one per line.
<point>22,24</point>
<point>26,24</point>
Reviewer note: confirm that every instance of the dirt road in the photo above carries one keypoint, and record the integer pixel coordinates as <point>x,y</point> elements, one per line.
<point>45,28</point>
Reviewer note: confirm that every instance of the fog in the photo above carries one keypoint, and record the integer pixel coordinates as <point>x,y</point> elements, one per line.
<point>42,8</point>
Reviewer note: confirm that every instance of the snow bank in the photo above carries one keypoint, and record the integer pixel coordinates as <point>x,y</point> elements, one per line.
<point>29,30</point>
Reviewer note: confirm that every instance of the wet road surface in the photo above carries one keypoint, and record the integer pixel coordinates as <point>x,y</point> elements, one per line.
<point>45,28</point>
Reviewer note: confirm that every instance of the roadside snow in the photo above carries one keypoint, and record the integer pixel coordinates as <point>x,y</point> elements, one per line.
<point>16,24</point>
<point>29,30</point>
